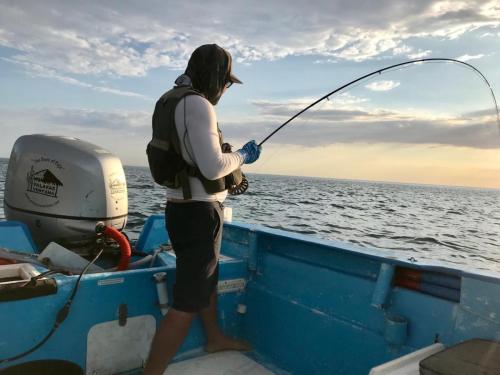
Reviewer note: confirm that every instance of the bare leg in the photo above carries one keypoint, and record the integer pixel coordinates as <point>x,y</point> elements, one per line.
<point>169,337</point>
<point>216,341</point>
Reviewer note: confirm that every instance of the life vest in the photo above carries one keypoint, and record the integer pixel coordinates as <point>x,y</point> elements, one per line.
<point>166,163</point>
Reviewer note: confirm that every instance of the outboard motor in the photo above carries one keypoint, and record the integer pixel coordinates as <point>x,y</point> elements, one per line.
<point>61,187</point>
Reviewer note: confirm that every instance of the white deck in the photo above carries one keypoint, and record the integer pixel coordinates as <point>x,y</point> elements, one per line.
<point>222,363</point>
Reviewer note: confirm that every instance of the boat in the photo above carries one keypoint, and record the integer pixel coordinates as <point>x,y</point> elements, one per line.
<point>305,305</point>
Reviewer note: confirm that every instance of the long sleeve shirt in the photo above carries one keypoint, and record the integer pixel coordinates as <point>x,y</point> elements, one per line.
<point>196,125</point>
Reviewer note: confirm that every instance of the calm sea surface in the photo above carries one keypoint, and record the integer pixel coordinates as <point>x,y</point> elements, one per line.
<point>457,225</point>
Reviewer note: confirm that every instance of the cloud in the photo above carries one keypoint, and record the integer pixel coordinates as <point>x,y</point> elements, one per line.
<point>420,54</point>
<point>125,133</point>
<point>470,57</point>
<point>96,38</point>
<point>41,71</point>
<point>333,123</point>
<point>313,134</point>
<point>382,85</point>
<point>63,120</point>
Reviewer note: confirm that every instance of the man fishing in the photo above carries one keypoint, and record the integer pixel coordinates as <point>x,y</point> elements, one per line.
<point>186,155</point>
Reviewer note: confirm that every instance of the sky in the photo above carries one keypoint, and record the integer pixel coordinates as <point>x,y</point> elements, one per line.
<point>94,70</point>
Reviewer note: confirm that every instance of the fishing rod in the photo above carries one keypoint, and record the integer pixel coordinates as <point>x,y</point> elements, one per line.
<point>379,71</point>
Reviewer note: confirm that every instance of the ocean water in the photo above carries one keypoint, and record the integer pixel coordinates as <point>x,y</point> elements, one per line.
<point>421,222</point>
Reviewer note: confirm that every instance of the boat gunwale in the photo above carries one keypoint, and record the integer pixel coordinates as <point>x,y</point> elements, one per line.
<point>383,256</point>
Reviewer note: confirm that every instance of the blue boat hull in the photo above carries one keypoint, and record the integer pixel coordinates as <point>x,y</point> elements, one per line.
<point>306,306</point>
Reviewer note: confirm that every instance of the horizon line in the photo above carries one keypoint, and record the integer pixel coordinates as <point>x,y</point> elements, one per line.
<point>349,179</point>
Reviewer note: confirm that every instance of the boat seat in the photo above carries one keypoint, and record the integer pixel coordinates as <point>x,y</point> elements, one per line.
<point>228,362</point>
<point>475,356</point>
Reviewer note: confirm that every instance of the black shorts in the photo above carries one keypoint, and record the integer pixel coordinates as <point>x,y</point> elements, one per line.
<point>195,231</point>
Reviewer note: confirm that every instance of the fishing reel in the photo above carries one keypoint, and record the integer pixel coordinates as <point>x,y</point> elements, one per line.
<point>240,188</point>
<point>236,182</point>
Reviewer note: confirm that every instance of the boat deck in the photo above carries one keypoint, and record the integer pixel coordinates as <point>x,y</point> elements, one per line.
<point>222,363</point>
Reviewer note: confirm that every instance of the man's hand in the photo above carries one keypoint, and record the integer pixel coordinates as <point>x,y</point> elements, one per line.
<point>250,152</point>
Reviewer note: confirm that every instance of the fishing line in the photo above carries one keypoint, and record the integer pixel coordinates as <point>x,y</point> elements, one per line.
<point>380,71</point>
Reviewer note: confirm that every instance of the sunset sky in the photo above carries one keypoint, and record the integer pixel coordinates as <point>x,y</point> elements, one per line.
<point>94,70</point>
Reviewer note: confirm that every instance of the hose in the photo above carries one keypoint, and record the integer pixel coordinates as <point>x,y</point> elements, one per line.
<point>115,234</point>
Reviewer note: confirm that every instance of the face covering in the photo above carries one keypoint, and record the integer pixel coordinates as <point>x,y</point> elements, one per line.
<point>209,69</point>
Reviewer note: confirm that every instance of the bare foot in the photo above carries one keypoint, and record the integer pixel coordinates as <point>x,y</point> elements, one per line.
<point>226,343</point>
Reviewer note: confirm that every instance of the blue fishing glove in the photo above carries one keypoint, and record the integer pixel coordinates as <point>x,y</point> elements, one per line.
<point>250,152</point>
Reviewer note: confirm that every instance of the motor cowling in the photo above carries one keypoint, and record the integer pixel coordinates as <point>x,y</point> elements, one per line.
<point>61,187</point>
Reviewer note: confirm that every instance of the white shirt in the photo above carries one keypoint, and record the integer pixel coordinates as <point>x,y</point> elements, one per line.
<point>200,146</point>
